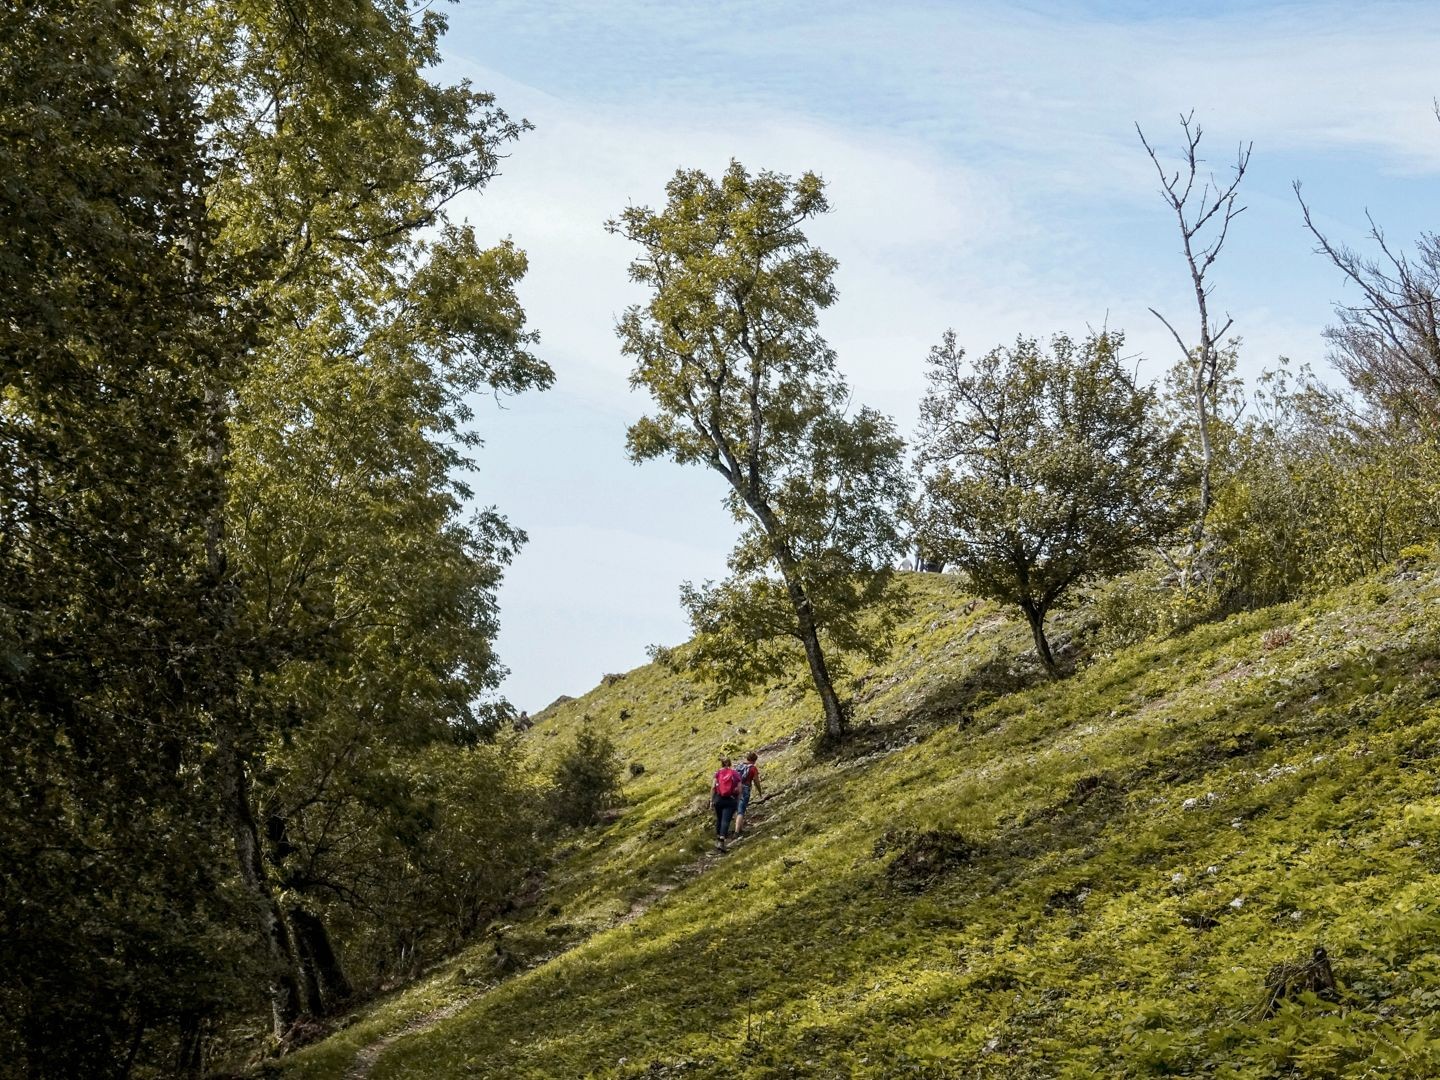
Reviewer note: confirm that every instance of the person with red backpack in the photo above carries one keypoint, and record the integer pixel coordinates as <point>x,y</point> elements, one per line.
<point>749,778</point>
<point>724,797</point>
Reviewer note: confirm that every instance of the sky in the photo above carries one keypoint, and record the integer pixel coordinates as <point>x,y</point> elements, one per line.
<point>984,174</point>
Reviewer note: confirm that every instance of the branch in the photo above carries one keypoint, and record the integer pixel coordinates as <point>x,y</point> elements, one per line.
<point>1173,332</point>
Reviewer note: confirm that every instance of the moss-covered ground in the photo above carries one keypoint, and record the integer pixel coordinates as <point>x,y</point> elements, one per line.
<point>1119,874</point>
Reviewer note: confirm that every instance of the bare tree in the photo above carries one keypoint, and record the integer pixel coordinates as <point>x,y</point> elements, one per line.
<point>1204,215</point>
<point>1388,345</point>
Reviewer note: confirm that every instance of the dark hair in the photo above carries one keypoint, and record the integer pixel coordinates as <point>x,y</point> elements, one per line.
<point>724,762</point>
<point>752,756</point>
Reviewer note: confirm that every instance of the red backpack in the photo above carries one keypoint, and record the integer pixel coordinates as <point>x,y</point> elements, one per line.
<point>727,783</point>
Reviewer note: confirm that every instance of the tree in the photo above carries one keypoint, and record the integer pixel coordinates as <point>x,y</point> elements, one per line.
<point>1042,470</point>
<point>114,893</point>
<point>585,779</point>
<point>1322,494</point>
<point>728,348</point>
<point>364,597</point>
<point>1387,346</point>
<point>240,595</point>
<point>1204,377</point>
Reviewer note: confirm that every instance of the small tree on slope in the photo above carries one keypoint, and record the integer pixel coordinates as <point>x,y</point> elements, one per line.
<point>1043,470</point>
<point>742,381</point>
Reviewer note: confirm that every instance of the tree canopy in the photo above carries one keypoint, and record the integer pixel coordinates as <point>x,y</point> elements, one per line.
<point>729,349</point>
<point>244,596</point>
<point>1043,469</point>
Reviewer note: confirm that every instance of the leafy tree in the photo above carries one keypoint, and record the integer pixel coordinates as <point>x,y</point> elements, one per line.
<point>116,905</point>
<point>366,599</point>
<point>1043,470</point>
<point>1321,495</point>
<point>240,595</point>
<point>728,348</point>
<point>411,859</point>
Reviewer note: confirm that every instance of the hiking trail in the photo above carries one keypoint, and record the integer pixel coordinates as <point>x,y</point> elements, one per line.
<point>369,1055</point>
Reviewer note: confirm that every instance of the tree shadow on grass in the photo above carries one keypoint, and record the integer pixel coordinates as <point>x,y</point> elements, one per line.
<point>950,700</point>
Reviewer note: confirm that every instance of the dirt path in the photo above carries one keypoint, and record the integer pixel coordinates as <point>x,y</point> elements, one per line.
<point>365,1060</point>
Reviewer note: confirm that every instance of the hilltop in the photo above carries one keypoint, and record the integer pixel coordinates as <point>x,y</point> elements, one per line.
<point>1125,873</point>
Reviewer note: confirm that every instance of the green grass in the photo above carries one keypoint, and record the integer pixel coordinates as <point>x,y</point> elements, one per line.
<point>1142,844</point>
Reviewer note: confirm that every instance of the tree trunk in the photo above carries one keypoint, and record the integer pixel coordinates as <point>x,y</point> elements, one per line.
<point>280,958</point>
<point>221,692</point>
<point>322,966</point>
<point>819,671</point>
<point>141,1023</point>
<point>808,631</point>
<point>190,1058</point>
<point>1036,617</point>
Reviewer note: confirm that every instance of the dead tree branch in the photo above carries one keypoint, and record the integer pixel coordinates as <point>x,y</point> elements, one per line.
<point>1204,217</point>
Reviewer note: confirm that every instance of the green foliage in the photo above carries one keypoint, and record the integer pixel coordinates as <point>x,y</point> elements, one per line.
<point>435,853</point>
<point>1043,471</point>
<point>728,349</point>
<point>1316,497</point>
<point>247,629</point>
<point>368,592</point>
<point>118,915</point>
<point>586,778</point>
<point>1146,602</point>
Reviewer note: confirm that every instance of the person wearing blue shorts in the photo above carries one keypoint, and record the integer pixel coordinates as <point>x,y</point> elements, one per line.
<point>749,778</point>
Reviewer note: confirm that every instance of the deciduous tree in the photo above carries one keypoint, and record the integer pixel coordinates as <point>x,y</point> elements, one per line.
<point>1203,380</point>
<point>1387,342</point>
<point>115,901</point>
<point>1043,470</point>
<point>729,349</point>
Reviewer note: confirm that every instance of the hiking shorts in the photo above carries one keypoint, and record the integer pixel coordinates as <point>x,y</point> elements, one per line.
<point>744,798</point>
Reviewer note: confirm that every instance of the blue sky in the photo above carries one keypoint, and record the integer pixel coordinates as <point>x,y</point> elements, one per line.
<point>985,175</point>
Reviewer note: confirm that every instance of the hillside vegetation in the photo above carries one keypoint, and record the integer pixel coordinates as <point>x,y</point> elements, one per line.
<point>1124,873</point>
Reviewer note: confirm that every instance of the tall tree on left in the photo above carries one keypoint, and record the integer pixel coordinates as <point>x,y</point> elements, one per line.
<point>115,896</point>
<point>308,448</point>
<point>365,600</point>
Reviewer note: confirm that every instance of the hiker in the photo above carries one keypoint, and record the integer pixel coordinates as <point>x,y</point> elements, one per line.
<point>749,777</point>
<point>724,795</point>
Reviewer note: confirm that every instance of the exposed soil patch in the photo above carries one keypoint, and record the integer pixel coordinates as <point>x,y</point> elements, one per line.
<point>923,858</point>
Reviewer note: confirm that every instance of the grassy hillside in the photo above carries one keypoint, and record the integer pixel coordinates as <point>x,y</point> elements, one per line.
<point>1123,874</point>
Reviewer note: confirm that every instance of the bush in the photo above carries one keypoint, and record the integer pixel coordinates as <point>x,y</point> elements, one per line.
<point>446,849</point>
<point>1146,603</point>
<point>586,780</point>
<point>1317,497</point>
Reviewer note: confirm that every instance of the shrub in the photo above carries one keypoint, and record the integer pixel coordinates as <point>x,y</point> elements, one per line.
<point>1146,603</point>
<point>586,780</point>
<point>1415,554</point>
